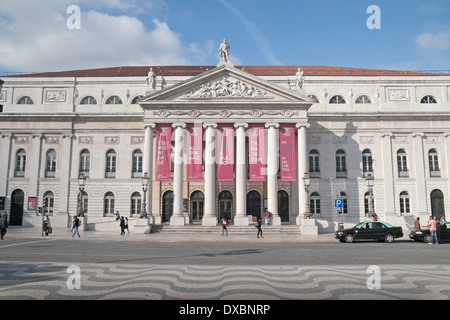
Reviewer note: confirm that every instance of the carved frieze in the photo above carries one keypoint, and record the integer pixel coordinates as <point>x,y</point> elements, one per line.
<point>86,140</point>
<point>398,94</point>
<point>137,140</point>
<point>111,140</point>
<point>366,139</point>
<point>55,96</point>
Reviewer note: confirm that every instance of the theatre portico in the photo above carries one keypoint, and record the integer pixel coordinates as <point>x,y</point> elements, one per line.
<point>225,141</point>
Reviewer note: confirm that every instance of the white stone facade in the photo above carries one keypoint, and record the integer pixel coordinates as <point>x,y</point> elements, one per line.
<point>402,128</point>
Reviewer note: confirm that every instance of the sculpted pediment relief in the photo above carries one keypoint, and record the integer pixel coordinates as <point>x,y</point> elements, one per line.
<point>227,88</point>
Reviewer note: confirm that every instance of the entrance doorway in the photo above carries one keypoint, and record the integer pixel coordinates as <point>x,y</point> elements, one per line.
<point>17,198</point>
<point>225,206</point>
<point>197,203</point>
<point>283,205</point>
<point>254,204</point>
<point>167,209</point>
<point>437,204</point>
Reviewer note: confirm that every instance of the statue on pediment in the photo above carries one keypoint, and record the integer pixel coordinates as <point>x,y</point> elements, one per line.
<point>151,79</point>
<point>299,78</point>
<point>223,51</point>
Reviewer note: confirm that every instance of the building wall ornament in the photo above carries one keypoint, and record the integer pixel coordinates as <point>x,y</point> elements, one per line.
<point>55,96</point>
<point>86,140</point>
<point>112,140</point>
<point>398,94</point>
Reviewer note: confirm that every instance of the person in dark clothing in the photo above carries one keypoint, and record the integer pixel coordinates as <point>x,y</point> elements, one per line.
<point>258,225</point>
<point>3,225</point>
<point>122,226</point>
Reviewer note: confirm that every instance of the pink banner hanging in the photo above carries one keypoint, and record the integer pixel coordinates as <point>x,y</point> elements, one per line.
<point>163,152</point>
<point>287,152</point>
<point>225,152</point>
<point>256,152</point>
<point>194,146</point>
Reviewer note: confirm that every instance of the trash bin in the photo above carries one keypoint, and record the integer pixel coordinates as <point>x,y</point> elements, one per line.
<point>340,226</point>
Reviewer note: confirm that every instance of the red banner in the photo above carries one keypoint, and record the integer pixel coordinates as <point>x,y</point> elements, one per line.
<point>256,152</point>
<point>163,152</point>
<point>225,152</point>
<point>194,146</point>
<point>287,152</point>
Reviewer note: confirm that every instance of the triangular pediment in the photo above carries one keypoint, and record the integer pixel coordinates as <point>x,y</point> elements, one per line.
<point>226,84</point>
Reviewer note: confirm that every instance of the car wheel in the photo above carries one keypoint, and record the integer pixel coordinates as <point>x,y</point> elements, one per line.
<point>427,238</point>
<point>349,238</point>
<point>389,238</point>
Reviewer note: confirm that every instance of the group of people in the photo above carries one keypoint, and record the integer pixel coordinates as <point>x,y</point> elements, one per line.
<point>258,224</point>
<point>123,223</point>
<point>433,223</point>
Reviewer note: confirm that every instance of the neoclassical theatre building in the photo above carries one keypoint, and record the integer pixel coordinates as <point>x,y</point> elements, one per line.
<point>225,141</point>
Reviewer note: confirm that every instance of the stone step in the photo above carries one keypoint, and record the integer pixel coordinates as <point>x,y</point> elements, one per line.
<point>283,229</point>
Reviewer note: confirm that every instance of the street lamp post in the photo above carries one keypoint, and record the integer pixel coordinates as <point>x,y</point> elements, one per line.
<point>145,180</point>
<point>370,181</point>
<point>306,182</point>
<point>81,184</point>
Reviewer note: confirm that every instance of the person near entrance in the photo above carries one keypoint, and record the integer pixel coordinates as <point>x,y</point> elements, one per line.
<point>433,224</point>
<point>267,215</point>
<point>47,227</point>
<point>3,225</point>
<point>224,226</point>
<point>258,225</point>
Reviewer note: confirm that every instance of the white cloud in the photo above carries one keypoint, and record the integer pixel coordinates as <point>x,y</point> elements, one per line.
<point>434,42</point>
<point>35,37</point>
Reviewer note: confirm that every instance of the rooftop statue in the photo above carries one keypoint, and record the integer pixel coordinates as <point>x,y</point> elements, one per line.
<point>223,51</point>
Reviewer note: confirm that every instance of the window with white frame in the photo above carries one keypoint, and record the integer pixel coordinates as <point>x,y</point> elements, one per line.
<point>404,202</point>
<point>50,164</point>
<point>88,100</point>
<point>137,164</point>
<point>85,158</point>
<point>314,168</point>
<point>367,162</point>
<point>314,203</point>
<point>428,99</point>
<point>363,99</point>
<point>433,163</point>
<point>341,166</point>
<point>108,208</point>
<point>344,198</point>
<point>48,201</point>
<point>111,159</point>
<point>113,100</point>
<point>21,159</point>
<point>337,99</point>
<point>402,164</point>
<point>25,100</point>
<point>136,206</point>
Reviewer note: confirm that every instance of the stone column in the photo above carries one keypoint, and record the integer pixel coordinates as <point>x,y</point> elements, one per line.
<point>272,172</point>
<point>147,166</point>
<point>388,175</point>
<point>420,173</point>
<point>62,218</point>
<point>5,153</point>
<point>302,155</point>
<point>241,176</point>
<point>177,217</point>
<point>209,215</point>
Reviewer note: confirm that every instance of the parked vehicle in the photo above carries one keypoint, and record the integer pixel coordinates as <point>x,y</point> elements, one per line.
<point>370,230</point>
<point>424,234</point>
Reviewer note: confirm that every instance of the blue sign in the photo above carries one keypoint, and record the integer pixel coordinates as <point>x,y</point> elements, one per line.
<point>338,203</point>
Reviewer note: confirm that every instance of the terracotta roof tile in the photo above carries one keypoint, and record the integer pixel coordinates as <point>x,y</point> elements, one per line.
<point>141,71</point>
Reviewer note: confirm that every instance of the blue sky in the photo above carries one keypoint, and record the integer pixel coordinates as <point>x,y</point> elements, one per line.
<point>414,35</point>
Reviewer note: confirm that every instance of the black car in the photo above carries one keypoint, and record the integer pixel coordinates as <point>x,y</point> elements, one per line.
<point>424,235</point>
<point>370,230</point>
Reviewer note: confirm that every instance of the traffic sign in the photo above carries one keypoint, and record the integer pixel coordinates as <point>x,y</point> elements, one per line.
<point>338,203</point>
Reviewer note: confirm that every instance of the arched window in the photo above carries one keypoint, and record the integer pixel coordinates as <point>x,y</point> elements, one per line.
<point>428,99</point>
<point>341,166</point>
<point>314,203</point>
<point>137,164</point>
<point>21,159</point>
<point>48,202</point>
<point>50,165</point>
<point>111,160</point>
<point>88,100</point>
<point>367,199</point>
<point>367,162</point>
<point>314,169</point>
<point>404,203</point>
<point>363,99</point>
<point>113,100</point>
<point>108,208</point>
<point>135,204</point>
<point>25,100</point>
<point>433,163</point>
<point>135,99</point>
<point>402,164</point>
<point>337,99</point>
<point>85,159</point>
<point>314,98</point>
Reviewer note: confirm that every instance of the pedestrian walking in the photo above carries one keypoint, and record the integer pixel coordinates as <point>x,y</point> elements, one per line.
<point>75,225</point>
<point>417,224</point>
<point>122,226</point>
<point>117,215</point>
<point>258,225</point>
<point>432,223</point>
<point>126,225</point>
<point>47,227</point>
<point>3,225</point>
<point>224,226</point>
<point>267,215</point>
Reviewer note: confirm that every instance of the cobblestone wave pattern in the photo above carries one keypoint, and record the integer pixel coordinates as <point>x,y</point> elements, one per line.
<point>168,282</point>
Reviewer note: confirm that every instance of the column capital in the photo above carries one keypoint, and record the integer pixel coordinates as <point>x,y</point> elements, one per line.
<point>241,124</point>
<point>275,125</point>
<point>151,125</point>
<point>418,134</point>
<point>176,125</point>
<point>386,134</point>
<point>207,125</point>
<point>299,125</point>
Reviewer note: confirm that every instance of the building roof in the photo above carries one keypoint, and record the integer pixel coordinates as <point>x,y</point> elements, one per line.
<point>141,71</point>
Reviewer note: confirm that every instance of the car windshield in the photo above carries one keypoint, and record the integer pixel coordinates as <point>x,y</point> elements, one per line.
<point>358,225</point>
<point>362,223</point>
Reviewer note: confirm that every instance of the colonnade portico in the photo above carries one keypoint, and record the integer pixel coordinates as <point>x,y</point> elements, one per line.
<point>210,217</point>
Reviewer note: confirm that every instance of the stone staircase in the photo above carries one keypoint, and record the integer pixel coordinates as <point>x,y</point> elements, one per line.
<point>284,229</point>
